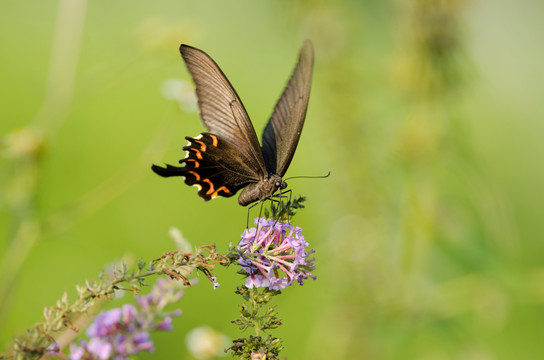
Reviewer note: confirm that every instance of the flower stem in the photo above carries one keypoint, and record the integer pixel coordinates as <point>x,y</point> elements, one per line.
<point>58,320</point>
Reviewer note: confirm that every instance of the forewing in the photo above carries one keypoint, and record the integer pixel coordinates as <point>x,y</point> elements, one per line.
<point>221,109</point>
<point>281,134</point>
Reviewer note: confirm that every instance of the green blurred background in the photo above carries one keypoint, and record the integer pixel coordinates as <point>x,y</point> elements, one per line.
<point>427,113</point>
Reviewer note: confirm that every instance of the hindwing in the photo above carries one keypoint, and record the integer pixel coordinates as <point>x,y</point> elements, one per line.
<point>213,165</point>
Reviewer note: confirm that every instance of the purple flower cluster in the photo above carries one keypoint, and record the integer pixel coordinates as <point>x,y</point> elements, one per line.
<point>122,332</point>
<point>273,255</point>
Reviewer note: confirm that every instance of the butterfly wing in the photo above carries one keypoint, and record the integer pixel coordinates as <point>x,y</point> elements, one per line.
<point>281,134</point>
<point>228,158</point>
<point>213,165</point>
<point>222,110</point>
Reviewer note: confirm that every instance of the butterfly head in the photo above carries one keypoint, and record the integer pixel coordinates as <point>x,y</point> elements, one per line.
<point>278,182</point>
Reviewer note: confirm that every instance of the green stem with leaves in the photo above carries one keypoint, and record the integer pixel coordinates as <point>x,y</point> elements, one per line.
<point>58,322</point>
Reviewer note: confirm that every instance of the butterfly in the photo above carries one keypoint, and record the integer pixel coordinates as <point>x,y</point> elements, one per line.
<point>229,157</point>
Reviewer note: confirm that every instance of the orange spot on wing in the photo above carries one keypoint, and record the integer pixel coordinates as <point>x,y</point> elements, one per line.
<point>198,153</point>
<point>222,188</point>
<point>195,162</point>
<point>211,186</point>
<point>202,145</point>
<point>195,175</point>
<point>214,140</point>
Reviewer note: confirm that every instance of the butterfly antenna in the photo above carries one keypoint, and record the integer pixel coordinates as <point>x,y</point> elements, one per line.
<point>309,177</point>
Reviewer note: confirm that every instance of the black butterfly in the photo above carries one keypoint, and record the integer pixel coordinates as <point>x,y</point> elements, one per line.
<point>229,157</point>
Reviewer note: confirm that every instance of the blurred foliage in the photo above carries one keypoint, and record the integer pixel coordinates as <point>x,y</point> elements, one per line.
<point>427,113</point>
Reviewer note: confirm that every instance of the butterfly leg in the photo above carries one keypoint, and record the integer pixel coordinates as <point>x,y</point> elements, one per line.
<point>261,209</point>
<point>275,210</point>
<point>249,209</point>
<point>283,208</point>
<point>289,205</point>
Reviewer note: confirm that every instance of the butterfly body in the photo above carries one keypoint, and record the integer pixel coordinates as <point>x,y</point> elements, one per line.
<point>229,157</point>
<point>264,189</point>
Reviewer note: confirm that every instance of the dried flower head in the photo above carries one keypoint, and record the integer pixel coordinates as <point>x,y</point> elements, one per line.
<point>273,255</point>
